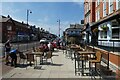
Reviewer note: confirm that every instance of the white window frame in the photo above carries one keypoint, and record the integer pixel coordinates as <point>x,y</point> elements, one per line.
<point>89,5</point>
<point>110,6</point>
<point>96,16</point>
<point>103,34</point>
<point>118,5</point>
<point>96,3</point>
<point>118,34</point>
<point>104,6</point>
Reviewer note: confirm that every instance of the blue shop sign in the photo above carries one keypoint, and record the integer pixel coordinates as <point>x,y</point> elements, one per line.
<point>21,33</point>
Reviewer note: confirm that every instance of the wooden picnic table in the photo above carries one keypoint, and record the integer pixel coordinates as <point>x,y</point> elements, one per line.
<point>82,55</point>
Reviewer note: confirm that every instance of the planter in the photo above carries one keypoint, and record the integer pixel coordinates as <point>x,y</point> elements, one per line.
<point>95,30</point>
<point>105,28</point>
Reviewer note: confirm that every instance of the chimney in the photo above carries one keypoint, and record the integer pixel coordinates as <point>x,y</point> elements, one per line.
<point>8,16</point>
<point>22,22</point>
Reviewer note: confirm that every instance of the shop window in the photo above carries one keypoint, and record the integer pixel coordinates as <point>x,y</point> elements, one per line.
<point>115,33</point>
<point>103,34</point>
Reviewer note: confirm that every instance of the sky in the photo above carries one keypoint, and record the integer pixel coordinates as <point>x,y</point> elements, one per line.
<point>45,14</point>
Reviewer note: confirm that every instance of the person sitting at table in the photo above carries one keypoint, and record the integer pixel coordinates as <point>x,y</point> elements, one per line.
<point>46,49</point>
<point>50,47</point>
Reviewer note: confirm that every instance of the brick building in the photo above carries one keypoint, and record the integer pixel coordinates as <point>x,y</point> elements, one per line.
<point>104,19</point>
<point>13,29</point>
<point>20,32</point>
<point>7,28</point>
<point>73,32</point>
<point>105,16</point>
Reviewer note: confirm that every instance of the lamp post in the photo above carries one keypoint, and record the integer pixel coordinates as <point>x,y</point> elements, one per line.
<point>59,27</point>
<point>28,11</point>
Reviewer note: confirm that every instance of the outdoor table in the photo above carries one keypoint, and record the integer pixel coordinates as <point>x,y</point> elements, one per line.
<point>32,55</point>
<point>75,49</point>
<point>82,54</point>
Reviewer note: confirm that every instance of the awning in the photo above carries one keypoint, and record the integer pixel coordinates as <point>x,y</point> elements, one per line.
<point>115,15</point>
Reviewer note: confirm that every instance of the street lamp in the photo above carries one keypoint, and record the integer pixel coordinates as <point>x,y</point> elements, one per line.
<point>28,11</point>
<point>59,27</point>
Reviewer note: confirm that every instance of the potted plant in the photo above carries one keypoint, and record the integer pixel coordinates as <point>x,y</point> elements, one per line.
<point>105,28</point>
<point>95,30</point>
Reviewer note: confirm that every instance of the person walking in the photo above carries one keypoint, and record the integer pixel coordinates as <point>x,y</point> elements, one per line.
<point>7,50</point>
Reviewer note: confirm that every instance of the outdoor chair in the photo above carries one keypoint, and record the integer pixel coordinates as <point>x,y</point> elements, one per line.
<point>48,56</point>
<point>31,58</point>
<point>22,57</point>
<point>38,51</point>
<point>95,61</point>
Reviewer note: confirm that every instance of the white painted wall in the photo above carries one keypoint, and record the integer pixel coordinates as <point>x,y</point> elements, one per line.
<point>109,32</point>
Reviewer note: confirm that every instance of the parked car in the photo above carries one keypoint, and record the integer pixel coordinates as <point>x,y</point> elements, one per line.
<point>43,40</point>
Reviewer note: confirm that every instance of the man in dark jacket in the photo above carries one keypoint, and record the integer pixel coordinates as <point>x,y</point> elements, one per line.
<point>13,55</point>
<point>7,50</point>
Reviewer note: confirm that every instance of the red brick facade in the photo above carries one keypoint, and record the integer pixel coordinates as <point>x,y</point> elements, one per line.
<point>113,58</point>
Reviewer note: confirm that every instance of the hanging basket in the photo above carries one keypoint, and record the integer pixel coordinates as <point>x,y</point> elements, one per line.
<point>105,28</point>
<point>95,30</point>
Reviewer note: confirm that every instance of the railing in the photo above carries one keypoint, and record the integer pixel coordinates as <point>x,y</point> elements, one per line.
<point>112,45</point>
<point>21,46</point>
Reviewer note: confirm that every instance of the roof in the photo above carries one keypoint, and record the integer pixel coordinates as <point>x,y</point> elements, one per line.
<point>4,19</point>
<point>72,29</point>
<point>20,24</point>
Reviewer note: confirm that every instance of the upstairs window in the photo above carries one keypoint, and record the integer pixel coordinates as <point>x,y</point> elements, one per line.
<point>9,27</point>
<point>97,14</point>
<point>97,3</point>
<point>104,8</point>
<point>118,4</point>
<point>111,6</point>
